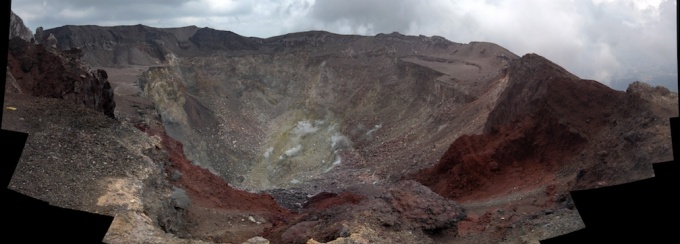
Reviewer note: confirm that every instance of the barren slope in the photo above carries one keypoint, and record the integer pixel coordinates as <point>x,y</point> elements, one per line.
<point>550,133</point>
<point>278,112</point>
<point>332,127</point>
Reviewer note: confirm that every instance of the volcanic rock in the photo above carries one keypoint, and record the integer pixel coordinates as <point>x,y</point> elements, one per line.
<point>41,72</point>
<point>50,41</point>
<point>544,116</point>
<point>81,159</point>
<point>39,35</point>
<point>551,126</point>
<point>18,29</point>
<point>334,126</point>
<point>406,206</point>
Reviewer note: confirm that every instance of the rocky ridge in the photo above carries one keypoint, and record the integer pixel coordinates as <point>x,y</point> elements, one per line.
<point>540,142</point>
<point>543,117</point>
<point>18,29</point>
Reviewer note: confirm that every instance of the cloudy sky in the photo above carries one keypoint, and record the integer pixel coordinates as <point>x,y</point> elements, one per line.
<point>612,41</point>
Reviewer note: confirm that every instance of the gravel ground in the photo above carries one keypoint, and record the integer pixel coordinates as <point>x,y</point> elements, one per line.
<point>80,159</point>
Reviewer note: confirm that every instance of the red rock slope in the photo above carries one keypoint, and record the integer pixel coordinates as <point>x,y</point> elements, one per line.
<point>544,117</point>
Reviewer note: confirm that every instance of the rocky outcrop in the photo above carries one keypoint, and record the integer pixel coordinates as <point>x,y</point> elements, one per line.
<point>536,85</point>
<point>636,135</point>
<point>545,120</point>
<point>81,159</point>
<point>50,42</point>
<point>18,29</point>
<point>39,35</point>
<point>209,208</point>
<point>116,46</point>
<point>544,117</point>
<point>549,133</point>
<point>407,207</point>
<point>42,72</point>
<point>47,40</point>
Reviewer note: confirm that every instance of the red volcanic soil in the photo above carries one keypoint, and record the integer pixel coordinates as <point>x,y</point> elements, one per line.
<point>44,72</point>
<point>543,118</point>
<point>216,203</point>
<point>523,155</point>
<point>326,200</point>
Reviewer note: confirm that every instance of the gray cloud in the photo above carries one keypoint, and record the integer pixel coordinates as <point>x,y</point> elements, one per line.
<point>366,17</point>
<point>614,42</point>
<point>51,14</point>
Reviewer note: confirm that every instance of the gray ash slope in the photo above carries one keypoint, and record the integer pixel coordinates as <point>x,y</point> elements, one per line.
<point>257,111</point>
